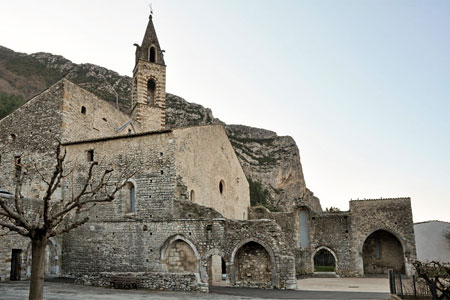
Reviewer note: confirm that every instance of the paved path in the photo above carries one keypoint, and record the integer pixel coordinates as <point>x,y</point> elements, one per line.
<point>70,291</point>
<point>375,285</point>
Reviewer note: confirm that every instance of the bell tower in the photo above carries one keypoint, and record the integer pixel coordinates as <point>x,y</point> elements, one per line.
<point>148,100</point>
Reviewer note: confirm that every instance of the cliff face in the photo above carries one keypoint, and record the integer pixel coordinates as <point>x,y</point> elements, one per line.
<point>270,162</point>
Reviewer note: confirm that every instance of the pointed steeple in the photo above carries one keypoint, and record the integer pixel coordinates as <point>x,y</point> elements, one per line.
<point>148,100</point>
<point>150,50</point>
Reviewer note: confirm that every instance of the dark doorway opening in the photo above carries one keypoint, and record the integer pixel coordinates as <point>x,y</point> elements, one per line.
<point>15,264</point>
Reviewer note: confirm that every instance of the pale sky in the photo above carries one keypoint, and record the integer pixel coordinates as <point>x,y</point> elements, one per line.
<point>362,86</point>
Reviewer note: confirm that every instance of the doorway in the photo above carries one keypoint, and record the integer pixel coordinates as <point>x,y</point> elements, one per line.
<point>15,264</point>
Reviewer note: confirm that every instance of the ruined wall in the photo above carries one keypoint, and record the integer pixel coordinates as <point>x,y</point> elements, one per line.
<point>204,159</point>
<point>253,265</point>
<point>393,216</point>
<point>382,252</point>
<point>332,230</point>
<point>144,246</point>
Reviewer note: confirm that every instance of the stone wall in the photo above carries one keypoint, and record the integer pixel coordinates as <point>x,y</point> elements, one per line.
<point>99,118</point>
<point>253,266</point>
<point>343,234</point>
<point>150,156</point>
<point>153,281</point>
<point>207,165</point>
<point>391,215</point>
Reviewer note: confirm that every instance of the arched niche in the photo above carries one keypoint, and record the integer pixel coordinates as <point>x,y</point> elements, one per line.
<point>253,264</point>
<point>382,251</point>
<point>179,255</point>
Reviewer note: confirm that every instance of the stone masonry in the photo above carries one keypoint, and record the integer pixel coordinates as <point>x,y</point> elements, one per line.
<point>183,221</point>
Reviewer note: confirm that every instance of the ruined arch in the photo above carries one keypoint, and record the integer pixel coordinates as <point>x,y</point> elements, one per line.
<point>383,250</point>
<point>179,255</point>
<point>324,256</point>
<point>253,263</point>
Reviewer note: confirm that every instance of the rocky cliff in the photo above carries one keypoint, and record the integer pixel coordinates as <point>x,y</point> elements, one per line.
<point>270,162</point>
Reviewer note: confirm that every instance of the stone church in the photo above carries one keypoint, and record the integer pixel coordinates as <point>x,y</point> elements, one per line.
<point>184,220</point>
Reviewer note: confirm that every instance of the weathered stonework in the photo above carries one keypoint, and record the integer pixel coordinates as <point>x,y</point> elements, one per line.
<point>183,221</point>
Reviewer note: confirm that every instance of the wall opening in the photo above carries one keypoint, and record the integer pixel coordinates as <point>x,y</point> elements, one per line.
<point>324,261</point>
<point>152,54</point>
<point>192,196</point>
<point>216,272</point>
<point>16,264</point>
<point>222,187</point>
<point>253,265</point>
<point>180,258</point>
<point>90,155</point>
<point>83,110</point>
<point>382,251</point>
<point>303,218</point>
<point>132,197</point>
<point>151,88</point>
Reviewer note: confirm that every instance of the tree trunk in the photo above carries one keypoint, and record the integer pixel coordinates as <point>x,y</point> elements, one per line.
<point>37,268</point>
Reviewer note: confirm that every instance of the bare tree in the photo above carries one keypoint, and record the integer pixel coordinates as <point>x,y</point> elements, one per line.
<point>49,216</point>
<point>436,276</point>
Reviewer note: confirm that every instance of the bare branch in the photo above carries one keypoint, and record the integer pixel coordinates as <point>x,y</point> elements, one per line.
<point>69,227</point>
<point>17,229</point>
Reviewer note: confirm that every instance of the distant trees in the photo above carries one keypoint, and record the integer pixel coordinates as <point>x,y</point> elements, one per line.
<point>50,215</point>
<point>332,209</point>
<point>9,102</point>
<point>259,195</point>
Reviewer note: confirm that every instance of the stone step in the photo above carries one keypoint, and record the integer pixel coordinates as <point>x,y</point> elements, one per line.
<point>325,275</point>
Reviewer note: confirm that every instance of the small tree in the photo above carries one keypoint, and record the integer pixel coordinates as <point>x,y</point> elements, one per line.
<point>46,217</point>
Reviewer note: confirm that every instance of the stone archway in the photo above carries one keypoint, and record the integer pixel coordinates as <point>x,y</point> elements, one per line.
<point>253,265</point>
<point>324,260</point>
<point>382,251</point>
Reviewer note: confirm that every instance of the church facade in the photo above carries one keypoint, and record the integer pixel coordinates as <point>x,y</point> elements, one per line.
<point>184,220</point>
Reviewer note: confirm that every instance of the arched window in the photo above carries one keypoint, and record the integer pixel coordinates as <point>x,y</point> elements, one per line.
<point>192,196</point>
<point>152,55</point>
<point>131,205</point>
<point>304,228</point>
<point>151,87</point>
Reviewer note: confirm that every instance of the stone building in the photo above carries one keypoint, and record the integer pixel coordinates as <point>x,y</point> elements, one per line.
<point>184,220</point>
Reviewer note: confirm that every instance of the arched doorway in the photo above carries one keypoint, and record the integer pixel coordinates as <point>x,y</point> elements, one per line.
<point>179,257</point>
<point>217,271</point>
<point>324,261</point>
<point>253,265</point>
<point>382,251</point>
